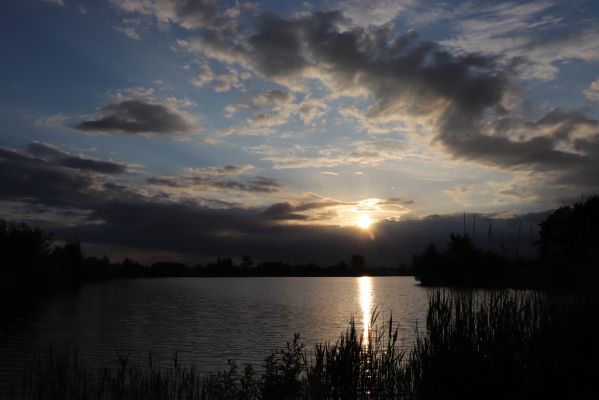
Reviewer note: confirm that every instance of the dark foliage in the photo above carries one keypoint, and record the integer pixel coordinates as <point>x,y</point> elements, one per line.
<point>568,247</point>
<point>464,264</point>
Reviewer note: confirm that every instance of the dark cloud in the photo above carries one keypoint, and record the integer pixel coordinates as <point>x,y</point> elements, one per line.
<point>44,150</point>
<point>571,118</point>
<point>395,201</point>
<point>282,211</point>
<point>391,68</point>
<point>37,180</point>
<point>112,214</point>
<point>264,184</point>
<point>103,167</point>
<point>313,205</point>
<point>558,164</point>
<point>230,169</point>
<point>258,184</point>
<point>138,117</point>
<point>287,211</point>
<point>58,157</point>
<point>500,151</point>
<point>47,176</point>
<point>163,182</point>
<point>209,179</point>
<point>588,146</point>
<point>276,48</point>
<point>186,228</point>
<point>196,13</point>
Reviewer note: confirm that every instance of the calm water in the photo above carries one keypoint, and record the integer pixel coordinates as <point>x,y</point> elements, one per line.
<point>207,320</point>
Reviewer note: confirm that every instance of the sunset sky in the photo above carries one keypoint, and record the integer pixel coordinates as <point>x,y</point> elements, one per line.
<point>295,131</point>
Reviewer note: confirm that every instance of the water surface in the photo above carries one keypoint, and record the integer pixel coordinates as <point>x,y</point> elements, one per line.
<point>206,320</point>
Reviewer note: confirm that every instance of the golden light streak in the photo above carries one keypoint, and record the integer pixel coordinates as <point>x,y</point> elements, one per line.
<point>365,290</point>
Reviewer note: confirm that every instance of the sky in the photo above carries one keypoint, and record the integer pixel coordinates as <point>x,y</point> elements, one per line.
<point>295,131</point>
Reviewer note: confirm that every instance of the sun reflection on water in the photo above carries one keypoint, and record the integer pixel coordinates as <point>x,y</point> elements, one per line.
<point>365,287</point>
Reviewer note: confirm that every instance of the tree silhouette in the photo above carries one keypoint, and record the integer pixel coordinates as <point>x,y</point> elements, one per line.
<point>23,249</point>
<point>358,261</point>
<point>570,235</point>
<point>30,259</point>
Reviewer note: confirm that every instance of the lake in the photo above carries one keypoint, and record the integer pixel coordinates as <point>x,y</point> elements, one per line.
<point>206,320</point>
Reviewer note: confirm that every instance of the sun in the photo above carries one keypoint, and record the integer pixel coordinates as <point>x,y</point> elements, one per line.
<point>364,221</point>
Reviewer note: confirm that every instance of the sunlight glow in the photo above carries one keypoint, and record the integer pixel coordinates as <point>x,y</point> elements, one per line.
<point>364,221</point>
<point>365,290</point>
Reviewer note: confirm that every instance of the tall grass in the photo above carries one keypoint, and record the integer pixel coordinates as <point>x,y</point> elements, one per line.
<point>499,345</point>
<point>506,345</point>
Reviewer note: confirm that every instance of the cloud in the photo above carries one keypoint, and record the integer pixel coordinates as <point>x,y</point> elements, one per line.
<point>226,82</point>
<point>233,79</point>
<point>377,12</point>
<point>226,170</point>
<point>458,193</point>
<point>271,98</point>
<point>271,109</point>
<point>56,156</point>
<point>130,27</point>
<point>404,76</point>
<point>128,31</point>
<point>258,184</point>
<point>168,182</point>
<point>311,109</point>
<point>103,167</point>
<point>526,33</point>
<point>411,79</point>
<point>205,77</point>
<point>393,201</point>
<point>592,92</point>
<point>139,118</point>
<point>53,121</point>
<point>44,150</point>
<point>368,152</point>
<point>454,94</point>
<point>57,2</point>
<point>218,179</point>
<point>274,108</point>
<point>244,130</point>
<point>285,211</point>
<point>282,211</point>
<point>132,93</point>
<point>559,161</point>
<point>187,13</point>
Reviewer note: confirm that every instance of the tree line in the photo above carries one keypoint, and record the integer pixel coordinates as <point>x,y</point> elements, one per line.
<point>33,260</point>
<point>568,254</point>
